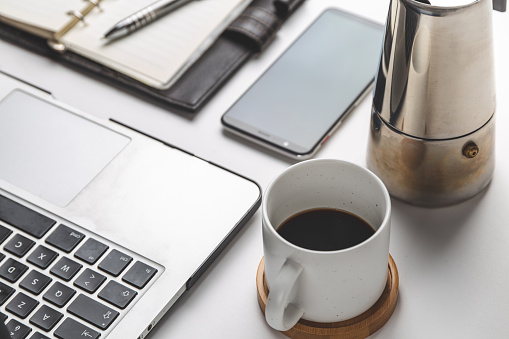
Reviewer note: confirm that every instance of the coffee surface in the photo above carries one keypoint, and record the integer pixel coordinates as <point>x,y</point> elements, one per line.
<point>325,229</point>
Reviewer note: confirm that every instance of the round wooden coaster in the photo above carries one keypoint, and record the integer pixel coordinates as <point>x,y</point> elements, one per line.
<point>361,326</point>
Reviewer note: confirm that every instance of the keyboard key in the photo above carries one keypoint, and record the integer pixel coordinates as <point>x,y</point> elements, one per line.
<point>46,318</point>
<point>66,268</point>
<point>5,292</point>
<point>92,312</point>
<point>4,332</point>
<point>42,257</point>
<point>2,256</point>
<point>35,282</point>
<point>117,294</point>
<point>89,280</point>
<point>24,218</point>
<point>115,262</point>
<point>12,270</point>
<point>17,330</point>
<point>139,275</point>
<point>91,251</point>
<point>65,238</point>
<point>4,233</point>
<point>38,335</point>
<point>59,294</point>
<point>22,305</point>
<point>71,329</point>
<point>19,245</point>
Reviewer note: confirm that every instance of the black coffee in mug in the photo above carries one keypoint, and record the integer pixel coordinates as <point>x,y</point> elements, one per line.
<point>325,229</point>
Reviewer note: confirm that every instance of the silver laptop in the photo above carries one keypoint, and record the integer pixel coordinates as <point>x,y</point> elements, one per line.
<point>101,228</point>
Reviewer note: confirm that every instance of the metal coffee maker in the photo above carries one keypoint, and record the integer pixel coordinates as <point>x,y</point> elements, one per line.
<point>432,132</point>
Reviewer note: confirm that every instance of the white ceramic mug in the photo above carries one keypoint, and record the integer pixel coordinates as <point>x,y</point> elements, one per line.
<point>324,286</point>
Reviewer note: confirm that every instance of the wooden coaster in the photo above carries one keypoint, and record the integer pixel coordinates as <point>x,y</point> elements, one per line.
<point>361,326</point>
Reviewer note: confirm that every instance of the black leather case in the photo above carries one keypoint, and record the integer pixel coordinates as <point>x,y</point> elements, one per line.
<point>250,33</point>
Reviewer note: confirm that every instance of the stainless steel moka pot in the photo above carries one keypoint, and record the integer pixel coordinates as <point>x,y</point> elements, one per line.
<point>432,132</point>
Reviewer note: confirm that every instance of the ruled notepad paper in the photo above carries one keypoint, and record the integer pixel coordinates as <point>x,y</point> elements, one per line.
<point>155,55</point>
<point>39,17</point>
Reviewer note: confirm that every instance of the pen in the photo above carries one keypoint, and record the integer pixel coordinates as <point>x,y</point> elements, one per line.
<point>143,17</point>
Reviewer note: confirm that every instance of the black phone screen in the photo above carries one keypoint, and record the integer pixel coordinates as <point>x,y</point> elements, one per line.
<point>304,94</point>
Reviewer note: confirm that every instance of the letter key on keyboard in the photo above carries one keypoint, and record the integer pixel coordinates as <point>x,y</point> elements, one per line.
<point>42,257</point>
<point>59,294</point>
<point>46,318</point>
<point>65,268</point>
<point>12,270</point>
<point>21,305</point>
<point>35,282</point>
<point>19,245</point>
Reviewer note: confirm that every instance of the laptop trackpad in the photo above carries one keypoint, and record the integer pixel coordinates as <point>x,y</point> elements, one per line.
<point>50,152</point>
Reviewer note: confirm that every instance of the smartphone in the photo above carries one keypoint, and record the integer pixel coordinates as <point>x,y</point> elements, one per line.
<point>302,98</point>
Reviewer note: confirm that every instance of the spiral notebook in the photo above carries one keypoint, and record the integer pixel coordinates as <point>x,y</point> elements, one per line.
<point>156,55</point>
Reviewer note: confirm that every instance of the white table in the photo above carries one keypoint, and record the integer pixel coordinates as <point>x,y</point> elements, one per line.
<point>453,262</point>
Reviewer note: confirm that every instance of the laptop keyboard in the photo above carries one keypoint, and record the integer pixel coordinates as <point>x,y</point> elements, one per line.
<point>58,280</point>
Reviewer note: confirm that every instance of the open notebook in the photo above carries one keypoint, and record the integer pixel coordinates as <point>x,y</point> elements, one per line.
<point>155,55</point>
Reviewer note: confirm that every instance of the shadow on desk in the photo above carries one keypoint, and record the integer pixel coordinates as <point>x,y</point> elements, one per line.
<point>437,228</point>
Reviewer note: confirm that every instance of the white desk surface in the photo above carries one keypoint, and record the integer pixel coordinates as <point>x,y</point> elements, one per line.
<point>453,262</point>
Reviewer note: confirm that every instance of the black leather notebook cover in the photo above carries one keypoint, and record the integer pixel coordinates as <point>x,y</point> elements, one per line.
<point>250,33</point>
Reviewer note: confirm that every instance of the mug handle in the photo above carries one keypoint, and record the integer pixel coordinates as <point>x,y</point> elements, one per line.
<point>280,314</point>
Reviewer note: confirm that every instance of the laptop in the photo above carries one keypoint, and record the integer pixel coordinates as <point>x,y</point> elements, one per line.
<point>102,228</point>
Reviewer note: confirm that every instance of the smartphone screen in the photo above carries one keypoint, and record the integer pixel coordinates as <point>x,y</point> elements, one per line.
<point>299,100</point>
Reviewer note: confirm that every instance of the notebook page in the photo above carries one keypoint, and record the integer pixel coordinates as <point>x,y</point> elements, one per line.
<point>158,52</point>
<point>46,15</point>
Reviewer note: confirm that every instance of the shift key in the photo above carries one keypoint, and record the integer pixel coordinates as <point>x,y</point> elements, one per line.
<point>24,218</point>
<point>92,312</point>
